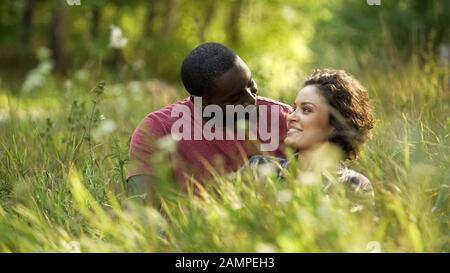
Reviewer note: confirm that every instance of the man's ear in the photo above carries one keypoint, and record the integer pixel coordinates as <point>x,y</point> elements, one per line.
<point>204,102</point>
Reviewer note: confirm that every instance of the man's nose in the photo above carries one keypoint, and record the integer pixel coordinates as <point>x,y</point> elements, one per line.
<point>251,96</point>
<point>254,88</point>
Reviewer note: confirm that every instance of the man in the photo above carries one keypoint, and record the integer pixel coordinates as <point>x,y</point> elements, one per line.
<point>218,79</point>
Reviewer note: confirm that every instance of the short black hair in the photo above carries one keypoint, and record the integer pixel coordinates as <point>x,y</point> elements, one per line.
<point>204,64</point>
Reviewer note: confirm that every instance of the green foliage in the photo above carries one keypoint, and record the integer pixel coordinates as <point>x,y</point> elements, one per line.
<point>67,193</point>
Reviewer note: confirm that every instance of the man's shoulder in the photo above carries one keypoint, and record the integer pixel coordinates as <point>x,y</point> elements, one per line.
<point>166,111</point>
<point>267,101</point>
<point>164,115</point>
<point>159,122</point>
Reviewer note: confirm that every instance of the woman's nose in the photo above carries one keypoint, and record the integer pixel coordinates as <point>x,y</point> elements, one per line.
<point>292,116</point>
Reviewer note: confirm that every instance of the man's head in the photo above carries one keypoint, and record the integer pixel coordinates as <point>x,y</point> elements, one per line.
<point>215,73</point>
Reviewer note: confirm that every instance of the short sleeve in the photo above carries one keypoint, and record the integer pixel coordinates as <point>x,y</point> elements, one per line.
<point>143,146</point>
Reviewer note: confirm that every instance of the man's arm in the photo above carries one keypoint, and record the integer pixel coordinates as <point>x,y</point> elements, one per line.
<point>142,189</point>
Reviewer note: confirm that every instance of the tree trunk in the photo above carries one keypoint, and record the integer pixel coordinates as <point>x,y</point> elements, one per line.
<point>96,18</point>
<point>203,25</point>
<point>58,28</point>
<point>170,18</point>
<point>27,21</point>
<point>149,23</point>
<point>233,33</point>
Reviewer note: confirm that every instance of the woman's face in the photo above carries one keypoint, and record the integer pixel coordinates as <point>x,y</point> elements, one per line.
<point>309,124</point>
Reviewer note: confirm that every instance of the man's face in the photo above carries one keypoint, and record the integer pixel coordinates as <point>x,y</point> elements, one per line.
<point>235,87</point>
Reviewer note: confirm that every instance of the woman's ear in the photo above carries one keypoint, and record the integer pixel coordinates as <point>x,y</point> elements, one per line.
<point>331,132</point>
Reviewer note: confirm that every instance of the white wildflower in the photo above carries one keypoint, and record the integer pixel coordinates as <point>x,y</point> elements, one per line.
<point>374,247</point>
<point>284,196</point>
<point>265,248</point>
<point>117,39</point>
<point>106,127</point>
<point>167,143</point>
<point>72,246</point>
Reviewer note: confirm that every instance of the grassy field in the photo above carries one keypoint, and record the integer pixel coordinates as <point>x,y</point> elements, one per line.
<point>63,156</point>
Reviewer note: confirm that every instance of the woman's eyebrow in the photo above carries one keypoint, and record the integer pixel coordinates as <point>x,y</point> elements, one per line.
<point>308,102</point>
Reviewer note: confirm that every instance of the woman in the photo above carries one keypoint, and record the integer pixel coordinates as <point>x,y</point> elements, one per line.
<point>332,109</point>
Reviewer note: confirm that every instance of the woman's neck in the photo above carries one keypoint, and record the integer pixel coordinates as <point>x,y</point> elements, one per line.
<point>320,157</point>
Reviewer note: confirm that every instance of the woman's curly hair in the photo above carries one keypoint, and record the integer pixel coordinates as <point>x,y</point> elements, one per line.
<point>351,113</point>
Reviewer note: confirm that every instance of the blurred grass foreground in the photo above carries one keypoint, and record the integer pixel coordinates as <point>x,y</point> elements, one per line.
<point>64,132</point>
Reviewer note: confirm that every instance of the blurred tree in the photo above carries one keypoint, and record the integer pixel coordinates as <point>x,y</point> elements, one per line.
<point>171,17</point>
<point>399,29</point>
<point>149,23</point>
<point>203,23</point>
<point>233,31</point>
<point>27,21</point>
<point>161,32</point>
<point>433,21</point>
<point>96,19</point>
<point>57,33</point>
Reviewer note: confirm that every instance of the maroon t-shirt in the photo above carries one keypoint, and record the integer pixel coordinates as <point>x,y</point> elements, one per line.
<point>193,158</point>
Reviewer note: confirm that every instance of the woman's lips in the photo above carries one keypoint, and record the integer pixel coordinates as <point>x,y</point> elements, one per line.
<point>294,130</point>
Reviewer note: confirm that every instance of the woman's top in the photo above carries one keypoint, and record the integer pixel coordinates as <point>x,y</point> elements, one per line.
<point>356,184</point>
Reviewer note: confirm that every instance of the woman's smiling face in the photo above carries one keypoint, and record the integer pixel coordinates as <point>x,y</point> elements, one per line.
<point>309,124</point>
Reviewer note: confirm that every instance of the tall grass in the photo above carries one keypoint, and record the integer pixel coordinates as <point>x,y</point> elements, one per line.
<point>62,183</point>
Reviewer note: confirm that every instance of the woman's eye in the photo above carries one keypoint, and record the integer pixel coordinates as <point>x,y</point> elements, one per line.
<point>306,110</point>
